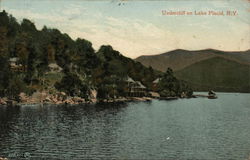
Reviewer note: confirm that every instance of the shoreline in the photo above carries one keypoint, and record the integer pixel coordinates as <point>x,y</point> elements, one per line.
<point>105,101</point>
<point>60,98</point>
<point>78,101</point>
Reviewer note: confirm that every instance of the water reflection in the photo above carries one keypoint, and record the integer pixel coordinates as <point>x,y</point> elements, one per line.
<point>8,119</point>
<point>182,129</point>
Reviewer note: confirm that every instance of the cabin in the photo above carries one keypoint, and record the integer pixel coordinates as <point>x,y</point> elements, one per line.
<point>14,66</point>
<point>135,88</point>
<point>53,67</point>
<point>13,61</point>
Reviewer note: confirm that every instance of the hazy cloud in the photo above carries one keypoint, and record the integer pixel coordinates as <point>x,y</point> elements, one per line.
<point>136,35</point>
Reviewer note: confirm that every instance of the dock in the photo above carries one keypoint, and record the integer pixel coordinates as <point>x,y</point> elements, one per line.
<point>201,95</point>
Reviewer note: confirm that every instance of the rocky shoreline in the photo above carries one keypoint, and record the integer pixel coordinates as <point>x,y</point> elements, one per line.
<point>60,98</point>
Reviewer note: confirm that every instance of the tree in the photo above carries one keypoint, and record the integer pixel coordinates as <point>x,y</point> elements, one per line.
<point>86,59</point>
<point>4,61</point>
<point>13,27</point>
<point>31,63</point>
<point>111,87</point>
<point>4,19</point>
<point>28,26</point>
<point>170,86</point>
<point>15,87</point>
<point>51,53</point>
<point>21,49</point>
<point>72,85</point>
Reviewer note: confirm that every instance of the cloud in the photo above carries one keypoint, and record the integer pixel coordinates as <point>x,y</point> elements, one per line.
<point>134,37</point>
<point>20,14</point>
<point>130,36</point>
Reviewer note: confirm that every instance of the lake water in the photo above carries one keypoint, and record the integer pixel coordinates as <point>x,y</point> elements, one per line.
<point>184,129</point>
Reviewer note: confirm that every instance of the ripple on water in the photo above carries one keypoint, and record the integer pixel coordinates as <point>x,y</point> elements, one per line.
<point>182,129</point>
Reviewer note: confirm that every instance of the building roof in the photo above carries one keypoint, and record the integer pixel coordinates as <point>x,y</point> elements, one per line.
<point>140,85</point>
<point>53,65</point>
<point>137,84</point>
<point>157,80</point>
<point>129,79</point>
<point>14,59</point>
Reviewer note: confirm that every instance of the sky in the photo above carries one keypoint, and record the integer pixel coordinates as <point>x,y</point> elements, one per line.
<point>137,27</point>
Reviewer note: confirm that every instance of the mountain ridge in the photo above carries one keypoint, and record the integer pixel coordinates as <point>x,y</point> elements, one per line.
<point>218,74</point>
<point>186,50</point>
<point>207,69</point>
<point>180,58</point>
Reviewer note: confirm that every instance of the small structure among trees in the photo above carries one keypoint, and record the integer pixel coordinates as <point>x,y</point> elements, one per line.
<point>54,68</point>
<point>14,66</point>
<point>135,88</point>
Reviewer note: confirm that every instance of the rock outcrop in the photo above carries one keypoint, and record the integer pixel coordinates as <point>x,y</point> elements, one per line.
<point>3,101</point>
<point>44,97</point>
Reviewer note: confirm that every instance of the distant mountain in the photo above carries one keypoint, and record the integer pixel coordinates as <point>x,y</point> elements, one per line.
<point>179,59</point>
<point>217,73</point>
<point>206,69</point>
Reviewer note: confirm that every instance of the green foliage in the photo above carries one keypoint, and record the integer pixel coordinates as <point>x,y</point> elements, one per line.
<point>4,19</point>
<point>102,93</point>
<point>84,56</point>
<point>113,63</point>
<point>28,26</point>
<point>4,63</point>
<point>72,85</point>
<point>15,87</point>
<point>31,68</point>
<point>111,87</point>
<point>170,86</point>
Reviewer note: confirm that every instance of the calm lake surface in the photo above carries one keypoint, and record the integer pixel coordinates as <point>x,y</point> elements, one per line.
<point>193,129</point>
